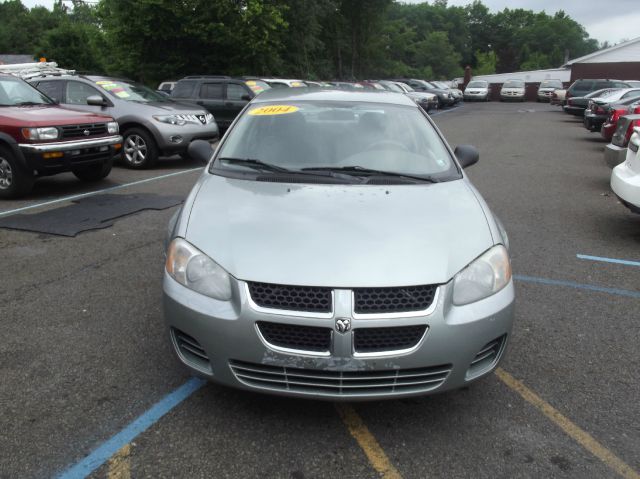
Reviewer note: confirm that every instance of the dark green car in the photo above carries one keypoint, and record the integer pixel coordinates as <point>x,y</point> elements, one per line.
<point>222,96</point>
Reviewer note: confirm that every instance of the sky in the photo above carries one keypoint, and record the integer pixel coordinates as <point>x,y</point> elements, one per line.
<point>611,20</point>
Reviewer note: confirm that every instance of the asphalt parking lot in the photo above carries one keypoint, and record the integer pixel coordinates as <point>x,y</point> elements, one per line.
<point>88,375</point>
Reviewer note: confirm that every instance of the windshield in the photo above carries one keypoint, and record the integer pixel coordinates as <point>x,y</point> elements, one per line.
<point>16,92</point>
<point>391,86</point>
<point>257,86</point>
<point>130,91</point>
<point>325,134</point>
<point>551,84</point>
<point>513,84</point>
<point>477,84</point>
<point>442,85</point>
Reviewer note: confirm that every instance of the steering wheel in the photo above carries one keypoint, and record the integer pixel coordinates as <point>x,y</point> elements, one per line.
<point>384,144</point>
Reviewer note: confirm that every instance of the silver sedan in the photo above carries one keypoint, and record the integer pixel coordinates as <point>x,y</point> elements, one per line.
<point>334,248</point>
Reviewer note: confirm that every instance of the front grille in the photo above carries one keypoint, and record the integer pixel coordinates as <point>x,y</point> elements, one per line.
<point>291,298</point>
<point>487,357</point>
<point>340,383</point>
<point>393,300</point>
<point>191,350</point>
<point>375,340</point>
<point>74,131</point>
<point>291,336</point>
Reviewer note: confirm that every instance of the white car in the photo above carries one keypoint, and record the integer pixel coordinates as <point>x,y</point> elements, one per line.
<point>625,178</point>
<point>512,90</point>
<point>546,89</point>
<point>477,90</point>
<point>284,83</point>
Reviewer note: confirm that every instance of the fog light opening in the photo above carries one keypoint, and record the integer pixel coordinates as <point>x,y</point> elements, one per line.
<point>175,139</point>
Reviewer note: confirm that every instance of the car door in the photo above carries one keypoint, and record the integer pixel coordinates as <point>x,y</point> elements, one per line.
<point>211,96</point>
<point>236,97</point>
<point>76,94</point>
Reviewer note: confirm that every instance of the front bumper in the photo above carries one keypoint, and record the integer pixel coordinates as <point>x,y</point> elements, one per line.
<point>593,122</point>
<point>545,95</point>
<point>625,183</point>
<point>614,155</point>
<point>69,154</point>
<point>574,110</point>
<point>475,96</point>
<point>176,139</point>
<point>228,334</point>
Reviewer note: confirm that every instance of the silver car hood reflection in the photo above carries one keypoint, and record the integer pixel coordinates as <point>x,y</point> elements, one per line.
<point>338,235</point>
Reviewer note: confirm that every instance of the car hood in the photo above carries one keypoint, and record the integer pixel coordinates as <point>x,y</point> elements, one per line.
<point>168,107</point>
<point>47,115</point>
<point>338,235</point>
<point>422,95</point>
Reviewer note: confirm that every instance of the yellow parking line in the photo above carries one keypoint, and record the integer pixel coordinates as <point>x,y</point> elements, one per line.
<point>367,442</point>
<point>120,464</point>
<point>579,435</point>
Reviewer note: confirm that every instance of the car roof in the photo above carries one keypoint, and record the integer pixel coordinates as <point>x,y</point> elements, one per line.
<point>323,94</point>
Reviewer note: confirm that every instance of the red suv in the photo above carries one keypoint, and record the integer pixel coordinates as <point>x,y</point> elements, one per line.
<point>40,138</point>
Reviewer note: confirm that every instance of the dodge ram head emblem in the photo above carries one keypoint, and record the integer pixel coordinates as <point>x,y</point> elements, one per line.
<point>343,325</point>
<point>86,132</point>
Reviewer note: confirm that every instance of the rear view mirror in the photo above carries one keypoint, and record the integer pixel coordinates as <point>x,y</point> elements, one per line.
<point>200,150</point>
<point>96,100</point>
<point>467,155</point>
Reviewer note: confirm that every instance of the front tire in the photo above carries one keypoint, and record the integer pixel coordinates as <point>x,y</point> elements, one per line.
<point>94,173</point>
<point>14,181</point>
<point>139,149</point>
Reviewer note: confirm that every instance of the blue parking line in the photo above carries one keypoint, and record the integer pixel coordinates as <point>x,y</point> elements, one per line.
<point>609,260</point>
<point>100,455</point>
<point>96,192</point>
<point>571,284</point>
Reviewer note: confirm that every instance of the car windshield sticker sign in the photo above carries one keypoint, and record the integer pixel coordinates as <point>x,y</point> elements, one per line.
<point>274,110</point>
<point>114,88</point>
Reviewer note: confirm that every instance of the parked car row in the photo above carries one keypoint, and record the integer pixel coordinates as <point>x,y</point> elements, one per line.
<point>513,89</point>
<point>612,108</point>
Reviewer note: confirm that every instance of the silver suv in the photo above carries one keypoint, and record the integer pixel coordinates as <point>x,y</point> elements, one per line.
<point>150,123</point>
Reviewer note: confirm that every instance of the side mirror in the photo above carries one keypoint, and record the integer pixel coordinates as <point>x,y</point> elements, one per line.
<point>245,98</point>
<point>467,155</point>
<point>200,150</point>
<point>96,100</point>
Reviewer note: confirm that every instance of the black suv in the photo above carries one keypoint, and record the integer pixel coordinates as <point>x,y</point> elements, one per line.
<point>582,87</point>
<point>223,96</point>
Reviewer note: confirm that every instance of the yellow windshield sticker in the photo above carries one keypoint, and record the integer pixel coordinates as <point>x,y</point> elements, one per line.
<point>274,110</point>
<point>103,82</point>
<point>250,82</point>
<point>122,94</point>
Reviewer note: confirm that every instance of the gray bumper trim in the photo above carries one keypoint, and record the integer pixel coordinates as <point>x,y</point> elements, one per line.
<point>71,145</point>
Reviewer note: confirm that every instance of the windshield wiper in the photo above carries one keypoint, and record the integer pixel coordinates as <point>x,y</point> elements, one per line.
<point>359,170</point>
<point>256,164</point>
<point>262,165</point>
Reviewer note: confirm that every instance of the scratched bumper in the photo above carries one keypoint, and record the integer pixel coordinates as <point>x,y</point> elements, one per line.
<point>227,333</point>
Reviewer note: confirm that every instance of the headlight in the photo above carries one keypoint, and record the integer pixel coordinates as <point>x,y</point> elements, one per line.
<point>192,268</point>
<point>112,127</point>
<point>209,117</point>
<point>487,275</point>
<point>171,119</point>
<point>47,133</point>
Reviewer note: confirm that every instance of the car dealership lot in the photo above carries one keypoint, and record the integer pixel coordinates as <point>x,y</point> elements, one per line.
<point>85,351</point>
